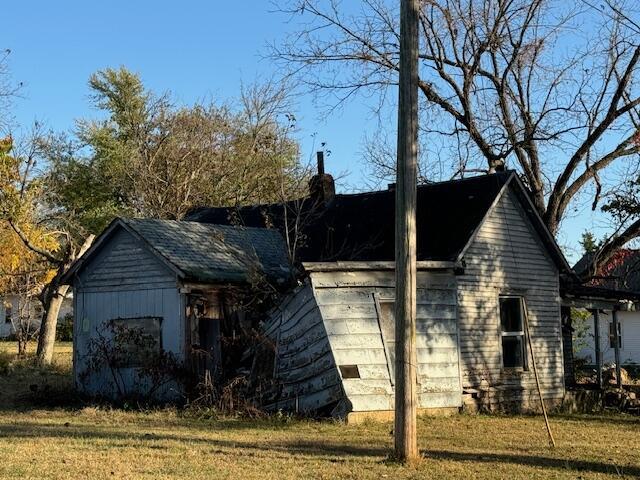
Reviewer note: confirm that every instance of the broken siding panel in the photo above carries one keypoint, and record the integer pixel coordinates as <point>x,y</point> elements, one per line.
<point>304,367</point>
<point>507,257</point>
<point>348,306</point>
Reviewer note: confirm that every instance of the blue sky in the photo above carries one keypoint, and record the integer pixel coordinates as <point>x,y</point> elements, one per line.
<point>196,49</point>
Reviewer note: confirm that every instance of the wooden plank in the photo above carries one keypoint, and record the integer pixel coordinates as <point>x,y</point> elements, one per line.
<point>440,399</point>
<point>378,279</point>
<point>354,266</point>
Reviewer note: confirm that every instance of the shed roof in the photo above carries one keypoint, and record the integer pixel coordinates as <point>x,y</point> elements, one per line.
<point>203,252</point>
<point>360,227</point>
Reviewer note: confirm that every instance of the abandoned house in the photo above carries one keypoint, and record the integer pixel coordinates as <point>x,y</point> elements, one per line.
<point>487,268</point>
<point>487,264</point>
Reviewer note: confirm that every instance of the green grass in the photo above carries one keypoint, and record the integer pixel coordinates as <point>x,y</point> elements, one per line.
<point>91,442</point>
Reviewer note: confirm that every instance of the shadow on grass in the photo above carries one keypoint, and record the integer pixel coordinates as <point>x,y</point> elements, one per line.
<point>615,418</point>
<point>320,449</point>
<point>535,461</point>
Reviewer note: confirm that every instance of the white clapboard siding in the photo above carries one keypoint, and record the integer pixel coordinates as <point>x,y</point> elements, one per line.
<point>508,257</point>
<point>347,302</point>
<point>629,331</point>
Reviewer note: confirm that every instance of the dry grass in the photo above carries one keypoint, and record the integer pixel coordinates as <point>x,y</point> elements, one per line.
<point>103,443</point>
<point>22,382</point>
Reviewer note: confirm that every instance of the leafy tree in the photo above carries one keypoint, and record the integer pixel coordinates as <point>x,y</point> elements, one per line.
<point>589,243</point>
<point>23,211</point>
<point>23,275</point>
<point>151,158</point>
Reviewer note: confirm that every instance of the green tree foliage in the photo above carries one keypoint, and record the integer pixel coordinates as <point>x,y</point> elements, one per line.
<point>151,158</point>
<point>589,242</point>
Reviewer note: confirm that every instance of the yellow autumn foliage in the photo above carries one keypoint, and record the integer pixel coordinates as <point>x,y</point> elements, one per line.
<point>16,260</point>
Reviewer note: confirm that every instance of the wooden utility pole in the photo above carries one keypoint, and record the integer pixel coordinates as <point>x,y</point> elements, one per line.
<point>406,442</point>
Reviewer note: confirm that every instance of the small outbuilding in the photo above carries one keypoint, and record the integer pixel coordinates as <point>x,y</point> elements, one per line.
<point>149,297</point>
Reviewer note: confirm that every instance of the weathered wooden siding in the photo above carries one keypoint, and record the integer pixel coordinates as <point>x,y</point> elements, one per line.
<point>508,257</point>
<point>304,366</point>
<point>124,281</point>
<point>349,304</point>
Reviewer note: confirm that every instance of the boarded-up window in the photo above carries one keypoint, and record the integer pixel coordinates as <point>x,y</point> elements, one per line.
<point>137,341</point>
<point>387,321</point>
<point>512,332</point>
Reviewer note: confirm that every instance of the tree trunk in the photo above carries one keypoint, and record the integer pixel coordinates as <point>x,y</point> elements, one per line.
<point>47,338</point>
<point>52,300</point>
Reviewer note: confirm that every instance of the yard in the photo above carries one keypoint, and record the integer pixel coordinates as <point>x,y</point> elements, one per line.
<point>39,441</point>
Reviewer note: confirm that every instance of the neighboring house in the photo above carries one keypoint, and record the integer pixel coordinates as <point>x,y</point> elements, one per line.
<point>487,266</point>
<point>621,274</point>
<point>10,306</point>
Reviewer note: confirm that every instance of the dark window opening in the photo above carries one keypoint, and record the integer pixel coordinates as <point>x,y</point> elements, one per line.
<point>8,313</point>
<point>612,335</point>
<point>349,371</point>
<point>512,332</point>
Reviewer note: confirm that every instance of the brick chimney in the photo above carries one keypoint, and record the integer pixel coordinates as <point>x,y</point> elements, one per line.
<point>322,188</point>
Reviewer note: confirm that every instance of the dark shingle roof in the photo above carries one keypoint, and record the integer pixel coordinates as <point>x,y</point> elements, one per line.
<point>360,227</point>
<point>203,253</point>
<point>215,252</point>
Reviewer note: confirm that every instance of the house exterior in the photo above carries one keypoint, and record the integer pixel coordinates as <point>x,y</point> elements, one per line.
<point>11,305</point>
<point>164,280</point>
<point>620,275</point>
<point>487,266</point>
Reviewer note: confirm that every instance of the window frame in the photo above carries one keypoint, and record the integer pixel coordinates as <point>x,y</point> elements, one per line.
<point>612,334</point>
<point>136,358</point>
<point>515,333</point>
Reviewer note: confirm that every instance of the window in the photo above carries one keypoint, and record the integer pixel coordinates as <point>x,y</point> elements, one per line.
<point>137,340</point>
<point>612,335</point>
<point>512,332</point>
<point>8,313</point>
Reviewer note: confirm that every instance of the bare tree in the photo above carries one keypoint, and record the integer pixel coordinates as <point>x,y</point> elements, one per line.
<point>545,86</point>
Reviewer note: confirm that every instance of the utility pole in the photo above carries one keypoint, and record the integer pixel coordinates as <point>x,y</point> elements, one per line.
<point>406,441</point>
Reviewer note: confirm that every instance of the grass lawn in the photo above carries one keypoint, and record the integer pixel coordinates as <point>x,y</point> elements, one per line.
<point>90,442</point>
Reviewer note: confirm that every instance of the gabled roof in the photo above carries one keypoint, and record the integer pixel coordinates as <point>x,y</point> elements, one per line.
<point>201,252</point>
<point>620,272</point>
<point>360,227</point>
